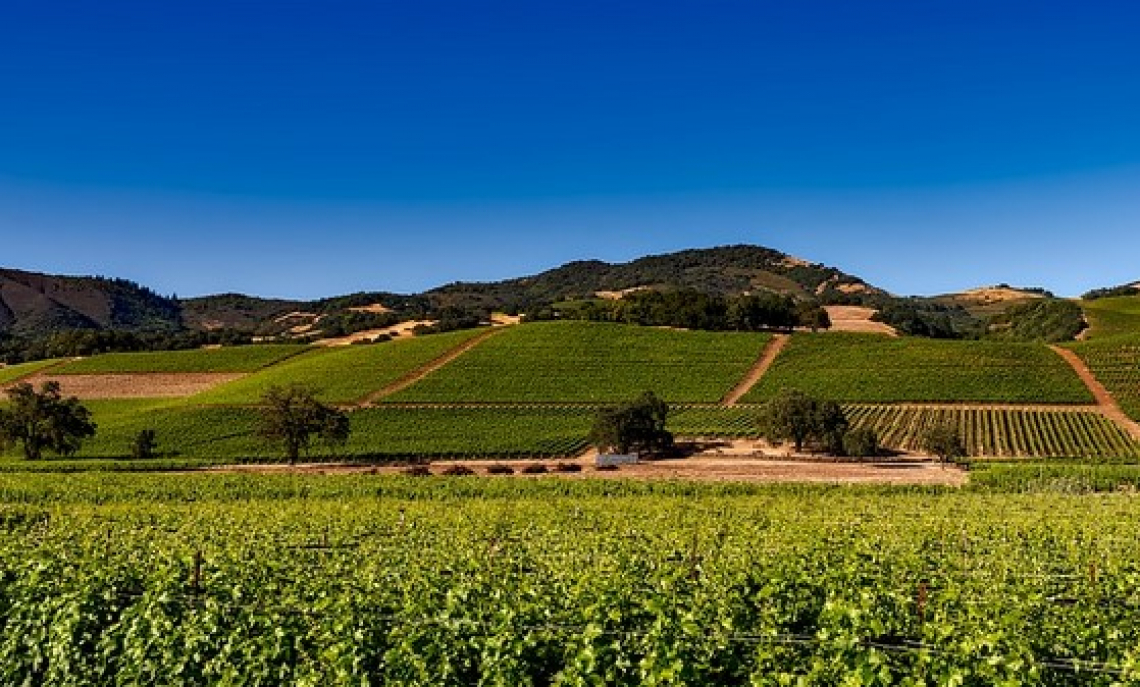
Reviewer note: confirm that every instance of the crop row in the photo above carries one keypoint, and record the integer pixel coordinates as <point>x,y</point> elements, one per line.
<point>1116,363</point>
<point>860,587</point>
<point>592,362</point>
<point>875,369</point>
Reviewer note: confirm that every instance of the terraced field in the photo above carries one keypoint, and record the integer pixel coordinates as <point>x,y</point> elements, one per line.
<point>875,369</point>
<point>341,375</point>
<point>592,362</point>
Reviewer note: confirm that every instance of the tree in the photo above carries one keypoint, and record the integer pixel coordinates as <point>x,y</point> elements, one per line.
<point>145,446</point>
<point>796,417</point>
<point>633,427</point>
<point>44,420</point>
<point>943,440</point>
<point>291,416</point>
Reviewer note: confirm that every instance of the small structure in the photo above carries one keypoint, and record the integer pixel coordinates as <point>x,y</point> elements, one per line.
<point>615,459</point>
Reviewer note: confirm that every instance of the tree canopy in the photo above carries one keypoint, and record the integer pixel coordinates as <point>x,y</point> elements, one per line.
<point>291,416</point>
<point>44,420</point>
<point>638,426</point>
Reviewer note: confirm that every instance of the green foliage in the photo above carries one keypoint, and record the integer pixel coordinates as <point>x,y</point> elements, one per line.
<point>1045,319</point>
<point>591,362</point>
<point>1111,292</point>
<point>44,420</point>
<point>861,442</point>
<point>12,373</point>
<point>943,440</point>
<point>1116,316</point>
<point>792,416</point>
<point>1115,362</point>
<point>291,416</point>
<point>145,445</point>
<point>228,579</point>
<point>341,375</point>
<point>876,369</point>
<point>1003,432</point>
<point>225,359</point>
<point>638,426</point>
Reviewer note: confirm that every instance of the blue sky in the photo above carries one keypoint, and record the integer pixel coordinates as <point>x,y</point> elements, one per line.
<point>308,149</point>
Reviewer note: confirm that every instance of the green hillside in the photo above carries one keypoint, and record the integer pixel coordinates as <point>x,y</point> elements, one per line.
<point>1116,363</point>
<point>341,375</point>
<point>227,359</point>
<point>1112,316</point>
<point>874,369</point>
<point>592,362</point>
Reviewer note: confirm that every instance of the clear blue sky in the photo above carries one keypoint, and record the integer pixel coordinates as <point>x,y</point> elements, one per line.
<point>312,148</point>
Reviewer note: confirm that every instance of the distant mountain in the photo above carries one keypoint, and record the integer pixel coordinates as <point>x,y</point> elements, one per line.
<point>33,304</point>
<point>725,270</point>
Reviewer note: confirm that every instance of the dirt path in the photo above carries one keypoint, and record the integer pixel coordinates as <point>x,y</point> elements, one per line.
<point>419,373</point>
<point>767,357</point>
<point>1104,400</point>
<point>698,469</point>
<point>135,385</point>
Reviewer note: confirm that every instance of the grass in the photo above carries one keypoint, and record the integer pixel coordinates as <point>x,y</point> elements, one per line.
<point>593,362</point>
<point>874,369</point>
<point>1110,317</point>
<point>14,373</point>
<point>341,375</point>
<point>227,359</point>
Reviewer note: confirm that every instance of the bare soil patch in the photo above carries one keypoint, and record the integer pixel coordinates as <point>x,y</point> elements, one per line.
<point>701,468</point>
<point>853,318</point>
<point>139,385</point>
<point>375,308</point>
<point>397,331</point>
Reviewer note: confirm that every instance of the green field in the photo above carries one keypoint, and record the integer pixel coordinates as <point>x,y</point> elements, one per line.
<point>227,359</point>
<point>341,375</point>
<point>12,373</point>
<point>366,580</point>
<point>1112,316</point>
<point>875,369</point>
<point>989,432</point>
<point>221,434</point>
<point>593,362</point>
<point>1116,364</point>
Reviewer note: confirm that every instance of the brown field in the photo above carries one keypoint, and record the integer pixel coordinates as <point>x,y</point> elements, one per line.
<point>141,385</point>
<point>853,318</point>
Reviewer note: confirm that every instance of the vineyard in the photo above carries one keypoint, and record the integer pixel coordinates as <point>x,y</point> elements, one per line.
<point>225,359</point>
<point>12,373</point>
<point>991,432</point>
<point>1116,363</point>
<point>1112,316</point>
<point>199,579</point>
<point>592,362</point>
<point>876,369</point>
<point>341,375</point>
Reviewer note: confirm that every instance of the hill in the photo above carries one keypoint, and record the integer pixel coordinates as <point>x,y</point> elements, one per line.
<point>726,270</point>
<point>34,304</point>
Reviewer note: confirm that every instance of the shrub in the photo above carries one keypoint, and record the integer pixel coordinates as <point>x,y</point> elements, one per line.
<point>458,471</point>
<point>861,443</point>
<point>535,469</point>
<point>500,469</point>
<point>568,467</point>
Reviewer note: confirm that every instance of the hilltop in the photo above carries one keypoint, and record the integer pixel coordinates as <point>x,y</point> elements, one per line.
<point>34,305</point>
